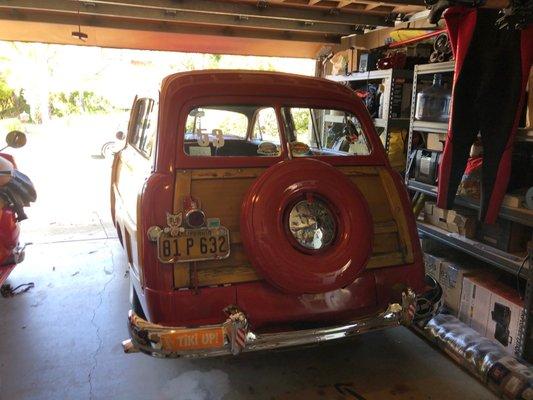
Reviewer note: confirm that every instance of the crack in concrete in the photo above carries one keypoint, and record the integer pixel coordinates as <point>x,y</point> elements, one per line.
<point>100,341</point>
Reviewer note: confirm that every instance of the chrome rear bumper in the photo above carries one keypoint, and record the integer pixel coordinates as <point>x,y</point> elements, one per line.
<point>149,338</point>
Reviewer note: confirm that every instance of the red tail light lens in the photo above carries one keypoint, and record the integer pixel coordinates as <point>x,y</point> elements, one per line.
<point>195,218</point>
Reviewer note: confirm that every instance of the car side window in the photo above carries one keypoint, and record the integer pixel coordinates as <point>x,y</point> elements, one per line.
<point>144,126</point>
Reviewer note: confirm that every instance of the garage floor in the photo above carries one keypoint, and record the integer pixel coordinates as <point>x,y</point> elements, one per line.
<point>61,339</point>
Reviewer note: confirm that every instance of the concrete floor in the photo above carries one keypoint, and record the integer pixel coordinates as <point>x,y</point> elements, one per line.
<point>61,340</point>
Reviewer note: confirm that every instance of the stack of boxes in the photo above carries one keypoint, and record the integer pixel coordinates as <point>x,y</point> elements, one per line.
<point>461,222</point>
<point>478,298</point>
<point>504,235</point>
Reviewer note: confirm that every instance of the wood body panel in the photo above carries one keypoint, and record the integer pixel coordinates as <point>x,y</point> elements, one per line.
<point>221,193</point>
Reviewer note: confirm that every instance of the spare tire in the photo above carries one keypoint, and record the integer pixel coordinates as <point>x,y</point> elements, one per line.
<point>306,228</point>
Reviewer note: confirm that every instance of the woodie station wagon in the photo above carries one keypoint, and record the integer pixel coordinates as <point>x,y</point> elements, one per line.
<point>258,211</point>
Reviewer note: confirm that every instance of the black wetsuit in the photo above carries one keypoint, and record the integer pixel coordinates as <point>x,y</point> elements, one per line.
<point>491,72</point>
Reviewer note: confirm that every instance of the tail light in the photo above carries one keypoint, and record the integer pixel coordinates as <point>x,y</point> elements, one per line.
<point>194,216</point>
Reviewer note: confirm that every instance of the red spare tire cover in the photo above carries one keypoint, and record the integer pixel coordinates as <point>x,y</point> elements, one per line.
<point>273,249</point>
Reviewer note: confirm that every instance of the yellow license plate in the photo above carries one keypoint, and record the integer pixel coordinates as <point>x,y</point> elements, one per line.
<point>194,245</point>
<point>193,339</point>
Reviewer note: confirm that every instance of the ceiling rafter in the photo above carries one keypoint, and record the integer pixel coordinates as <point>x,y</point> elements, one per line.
<point>328,4</point>
<point>268,10</point>
<point>168,15</point>
<point>266,24</point>
<point>160,26</point>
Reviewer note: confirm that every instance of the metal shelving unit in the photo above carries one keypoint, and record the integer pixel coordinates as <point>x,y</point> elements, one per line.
<point>425,126</point>
<point>512,263</point>
<point>505,261</point>
<point>520,215</point>
<point>387,78</point>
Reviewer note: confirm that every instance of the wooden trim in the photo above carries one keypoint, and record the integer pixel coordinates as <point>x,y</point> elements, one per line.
<point>386,260</point>
<point>221,173</point>
<point>385,227</point>
<point>226,275</point>
<point>182,187</point>
<point>398,214</point>
<point>359,171</point>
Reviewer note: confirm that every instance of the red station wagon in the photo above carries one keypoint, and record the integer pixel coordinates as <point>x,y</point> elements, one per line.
<point>258,211</point>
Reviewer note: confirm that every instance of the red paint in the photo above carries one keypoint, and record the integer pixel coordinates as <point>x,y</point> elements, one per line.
<point>268,244</point>
<point>464,18</point>
<point>5,270</point>
<point>188,307</point>
<point>9,234</point>
<point>156,201</point>
<point>365,291</point>
<point>263,303</point>
<point>460,23</point>
<point>9,158</point>
<point>504,170</point>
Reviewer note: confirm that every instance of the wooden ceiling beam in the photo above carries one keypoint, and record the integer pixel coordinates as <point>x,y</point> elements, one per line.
<point>11,14</point>
<point>263,9</point>
<point>157,14</point>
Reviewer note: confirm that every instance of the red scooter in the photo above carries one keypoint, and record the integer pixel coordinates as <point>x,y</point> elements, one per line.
<point>16,192</point>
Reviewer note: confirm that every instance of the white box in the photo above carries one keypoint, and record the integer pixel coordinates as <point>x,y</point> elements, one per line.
<point>475,302</point>
<point>491,308</point>
<point>451,280</point>
<point>504,320</point>
<point>432,265</point>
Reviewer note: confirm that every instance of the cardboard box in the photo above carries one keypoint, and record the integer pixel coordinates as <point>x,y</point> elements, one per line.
<point>461,222</point>
<point>341,62</point>
<point>435,141</point>
<point>451,278</point>
<point>505,235</point>
<point>515,200</point>
<point>492,308</point>
<point>475,301</point>
<point>432,265</point>
<point>435,215</point>
<point>504,319</point>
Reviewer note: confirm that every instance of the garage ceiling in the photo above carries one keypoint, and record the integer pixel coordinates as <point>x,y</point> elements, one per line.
<point>297,28</point>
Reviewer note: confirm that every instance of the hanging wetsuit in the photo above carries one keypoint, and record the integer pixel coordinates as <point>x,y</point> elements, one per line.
<point>491,72</point>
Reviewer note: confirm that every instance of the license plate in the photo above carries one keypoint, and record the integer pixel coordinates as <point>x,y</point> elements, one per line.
<point>193,339</point>
<point>194,245</point>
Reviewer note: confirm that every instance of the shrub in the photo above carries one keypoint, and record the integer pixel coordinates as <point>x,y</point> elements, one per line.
<point>63,104</point>
<point>11,103</point>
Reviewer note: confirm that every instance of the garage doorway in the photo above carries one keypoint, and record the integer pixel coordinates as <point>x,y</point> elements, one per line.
<point>71,101</point>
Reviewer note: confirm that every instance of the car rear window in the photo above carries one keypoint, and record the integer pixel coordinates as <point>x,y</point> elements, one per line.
<point>232,130</point>
<point>251,130</point>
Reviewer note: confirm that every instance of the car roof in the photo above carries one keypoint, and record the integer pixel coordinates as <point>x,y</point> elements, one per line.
<point>246,82</point>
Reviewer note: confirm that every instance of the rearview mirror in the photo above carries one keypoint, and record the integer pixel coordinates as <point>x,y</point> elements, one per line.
<point>16,139</point>
<point>197,113</point>
<point>120,135</point>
